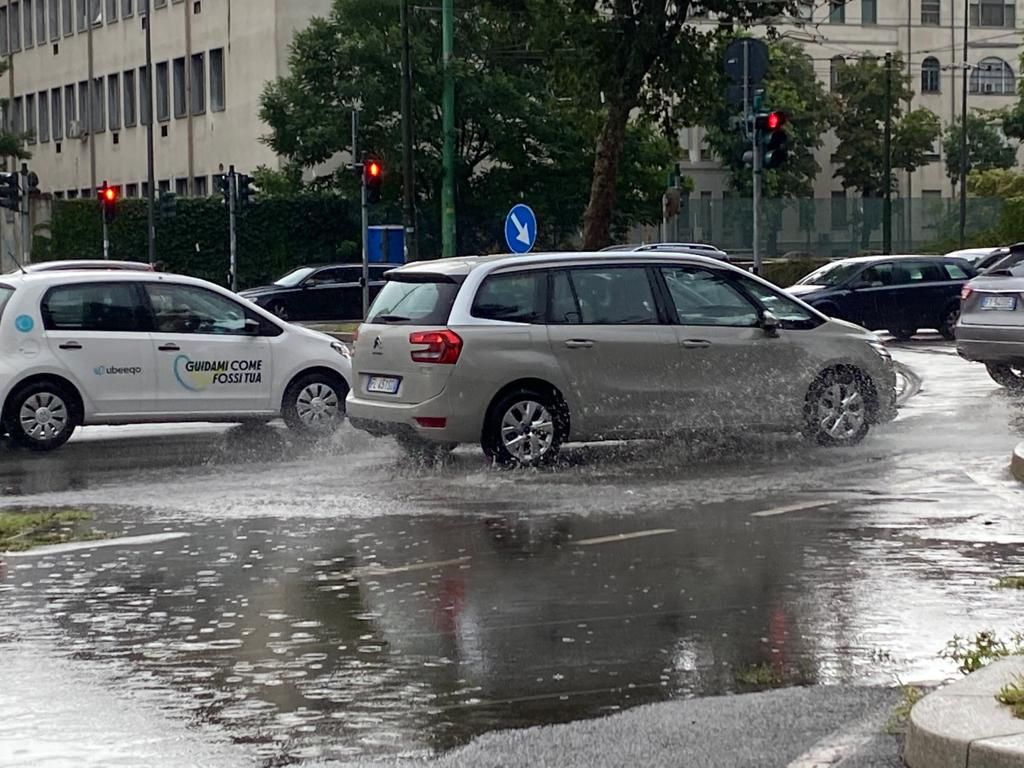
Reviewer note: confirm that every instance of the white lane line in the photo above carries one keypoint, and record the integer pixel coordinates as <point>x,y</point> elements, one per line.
<point>623,537</point>
<point>74,546</point>
<point>795,507</point>
<point>377,570</point>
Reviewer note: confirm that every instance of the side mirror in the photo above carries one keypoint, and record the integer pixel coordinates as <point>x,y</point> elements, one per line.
<point>770,324</point>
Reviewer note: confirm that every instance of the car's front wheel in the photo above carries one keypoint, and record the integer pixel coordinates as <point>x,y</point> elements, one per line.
<point>314,404</point>
<point>42,416</point>
<point>1009,375</point>
<point>524,428</point>
<point>902,334</point>
<point>836,409</point>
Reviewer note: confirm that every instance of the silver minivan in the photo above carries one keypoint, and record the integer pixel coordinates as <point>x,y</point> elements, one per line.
<point>524,353</point>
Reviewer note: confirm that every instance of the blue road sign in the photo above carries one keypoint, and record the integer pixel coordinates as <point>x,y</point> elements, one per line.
<point>520,229</point>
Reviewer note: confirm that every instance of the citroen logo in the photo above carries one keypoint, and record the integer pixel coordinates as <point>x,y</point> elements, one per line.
<point>378,346</point>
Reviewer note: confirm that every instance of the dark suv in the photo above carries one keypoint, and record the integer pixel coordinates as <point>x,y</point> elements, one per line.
<point>899,294</point>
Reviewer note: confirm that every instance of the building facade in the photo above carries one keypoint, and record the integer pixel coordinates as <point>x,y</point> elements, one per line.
<point>929,35</point>
<point>77,88</point>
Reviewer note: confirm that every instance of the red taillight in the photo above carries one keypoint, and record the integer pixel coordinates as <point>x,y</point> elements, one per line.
<point>965,293</point>
<point>432,422</point>
<point>440,347</point>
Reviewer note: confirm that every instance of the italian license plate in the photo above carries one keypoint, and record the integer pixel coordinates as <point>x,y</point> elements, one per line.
<point>387,385</point>
<point>1004,303</point>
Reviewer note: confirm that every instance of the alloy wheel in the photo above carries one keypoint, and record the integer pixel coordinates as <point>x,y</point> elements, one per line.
<point>44,416</point>
<point>527,431</point>
<point>841,412</point>
<point>318,406</point>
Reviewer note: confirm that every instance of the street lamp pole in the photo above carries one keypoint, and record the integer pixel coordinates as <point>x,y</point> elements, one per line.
<point>448,128</point>
<point>148,111</point>
<point>408,152</point>
<point>887,165</point>
<point>963,134</point>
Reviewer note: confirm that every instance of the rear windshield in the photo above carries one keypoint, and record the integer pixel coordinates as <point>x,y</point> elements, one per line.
<point>427,301</point>
<point>5,296</point>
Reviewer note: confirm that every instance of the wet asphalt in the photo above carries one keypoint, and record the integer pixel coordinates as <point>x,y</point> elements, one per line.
<point>266,602</point>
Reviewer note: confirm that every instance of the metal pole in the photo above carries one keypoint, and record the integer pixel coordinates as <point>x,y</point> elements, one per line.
<point>150,169</point>
<point>408,150</point>
<point>887,161</point>
<point>448,116</point>
<point>106,240</point>
<point>26,236</point>
<point>755,151</point>
<point>232,196</point>
<point>87,120</point>
<point>366,252</point>
<point>963,135</point>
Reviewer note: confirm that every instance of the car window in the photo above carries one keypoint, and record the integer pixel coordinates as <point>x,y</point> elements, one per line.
<point>294,277</point>
<point>520,297</point>
<point>830,274</point>
<point>703,297</point>
<point>332,276</point>
<point>423,302</point>
<point>190,309</point>
<point>790,313</point>
<point>111,307</point>
<point>614,296</point>
<point>955,271</point>
<point>877,275</point>
<point>916,272</point>
<point>5,296</point>
<point>564,309</point>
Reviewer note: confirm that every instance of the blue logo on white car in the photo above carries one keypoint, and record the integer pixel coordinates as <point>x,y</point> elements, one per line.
<point>24,323</point>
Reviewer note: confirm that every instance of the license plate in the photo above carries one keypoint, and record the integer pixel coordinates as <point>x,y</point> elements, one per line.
<point>387,385</point>
<point>1004,303</point>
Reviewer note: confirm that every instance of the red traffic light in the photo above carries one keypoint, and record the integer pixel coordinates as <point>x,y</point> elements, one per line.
<point>373,169</point>
<point>776,120</point>
<point>110,195</point>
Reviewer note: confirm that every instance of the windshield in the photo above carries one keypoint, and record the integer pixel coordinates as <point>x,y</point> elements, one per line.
<point>1007,262</point>
<point>830,274</point>
<point>294,277</point>
<point>5,296</point>
<point>425,302</point>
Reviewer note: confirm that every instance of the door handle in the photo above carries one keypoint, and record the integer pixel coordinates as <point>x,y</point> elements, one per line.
<point>579,344</point>
<point>695,343</point>
<point>169,347</point>
<point>70,345</point>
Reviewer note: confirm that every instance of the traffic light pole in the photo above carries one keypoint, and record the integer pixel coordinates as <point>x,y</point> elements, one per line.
<point>232,195</point>
<point>26,241</point>
<point>366,251</point>
<point>887,161</point>
<point>755,149</point>
<point>150,166</point>
<point>448,130</point>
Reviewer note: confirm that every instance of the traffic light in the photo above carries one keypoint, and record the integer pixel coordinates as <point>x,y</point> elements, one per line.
<point>108,201</point>
<point>224,185</point>
<point>373,177</point>
<point>246,190</point>
<point>168,205</point>
<point>10,194</point>
<point>771,127</point>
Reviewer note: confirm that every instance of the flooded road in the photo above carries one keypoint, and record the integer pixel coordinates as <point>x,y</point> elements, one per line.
<point>286,604</point>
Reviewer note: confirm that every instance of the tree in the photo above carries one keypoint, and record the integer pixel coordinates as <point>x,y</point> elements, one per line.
<point>860,124</point>
<point>997,183</point>
<point>987,147</point>
<point>11,144</point>
<point>792,87</point>
<point>631,56</point>
<point>518,137</point>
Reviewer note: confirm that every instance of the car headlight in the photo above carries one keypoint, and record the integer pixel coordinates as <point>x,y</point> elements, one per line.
<point>341,349</point>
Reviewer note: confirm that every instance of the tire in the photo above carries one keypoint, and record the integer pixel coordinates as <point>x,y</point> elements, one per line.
<point>836,409</point>
<point>278,308</point>
<point>1008,375</point>
<point>314,404</point>
<point>525,428</point>
<point>43,415</point>
<point>423,450</point>
<point>947,323</point>
<point>902,334</point>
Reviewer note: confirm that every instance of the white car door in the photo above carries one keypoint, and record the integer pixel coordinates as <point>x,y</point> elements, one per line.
<point>208,360</point>
<point>99,333</point>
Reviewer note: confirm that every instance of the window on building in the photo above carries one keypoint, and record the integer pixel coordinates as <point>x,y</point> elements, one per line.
<point>54,20</point>
<point>44,116</point>
<point>67,17</point>
<point>217,101</point>
<point>41,22</point>
<point>84,107</point>
<point>114,101</point>
<point>99,104</point>
<point>837,11</point>
<point>31,128</point>
<point>29,18</point>
<point>869,11</point>
<point>198,105</point>
<point>129,99</point>
<point>18,115</point>
<point>127,9</point>
<point>164,185</point>
<point>57,111</point>
<point>159,3</point>
<point>181,187</point>
<point>839,217</point>
<point>993,76</point>
<point>163,95</point>
<point>83,15</point>
<point>993,13</point>
<point>145,98</point>
<point>199,186</point>
<point>96,12</point>
<point>72,194</point>
<point>131,190</point>
<point>931,75</point>
<point>180,97</point>
<point>5,41</point>
<point>805,10</point>
<point>838,62</point>
<point>111,11</point>
<point>15,26</point>
<point>70,109</point>
<point>931,12</point>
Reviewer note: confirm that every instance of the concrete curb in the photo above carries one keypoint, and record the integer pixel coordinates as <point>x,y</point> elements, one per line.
<point>963,726</point>
<point>1017,463</point>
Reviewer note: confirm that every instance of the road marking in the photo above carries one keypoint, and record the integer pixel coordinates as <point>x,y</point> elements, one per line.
<point>795,507</point>
<point>623,537</point>
<point>74,546</point>
<point>377,570</point>
<point>837,746</point>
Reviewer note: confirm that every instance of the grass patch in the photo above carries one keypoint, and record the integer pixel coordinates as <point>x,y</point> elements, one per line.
<point>900,715</point>
<point>1011,582</point>
<point>759,676</point>
<point>973,653</point>
<point>31,528</point>
<point>1012,695</point>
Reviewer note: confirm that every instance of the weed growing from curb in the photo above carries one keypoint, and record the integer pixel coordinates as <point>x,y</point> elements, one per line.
<point>1012,695</point>
<point>24,529</point>
<point>1010,582</point>
<point>900,715</point>
<point>971,654</point>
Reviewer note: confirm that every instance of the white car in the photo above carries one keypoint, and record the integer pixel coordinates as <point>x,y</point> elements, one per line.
<point>134,347</point>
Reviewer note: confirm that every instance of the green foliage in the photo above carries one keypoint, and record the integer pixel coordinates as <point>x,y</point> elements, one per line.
<point>274,235</point>
<point>11,144</point>
<point>987,147</point>
<point>21,530</point>
<point>271,182</point>
<point>1012,695</point>
<point>760,676</point>
<point>1010,582</point>
<point>900,715</point>
<point>973,653</point>
<point>860,94</point>
<point>996,183</point>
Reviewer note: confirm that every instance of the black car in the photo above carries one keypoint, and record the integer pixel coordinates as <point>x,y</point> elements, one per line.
<point>899,294</point>
<point>326,292</point>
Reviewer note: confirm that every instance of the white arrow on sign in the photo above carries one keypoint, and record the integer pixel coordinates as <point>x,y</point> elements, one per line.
<point>523,230</point>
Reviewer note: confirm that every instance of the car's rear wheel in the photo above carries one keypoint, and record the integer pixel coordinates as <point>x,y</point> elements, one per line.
<point>947,323</point>
<point>314,404</point>
<point>42,416</point>
<point>1009,375</point>
<point>279,309</point>
<point>524,428</point>
<point>836,409</point>
<point>902,334</point>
